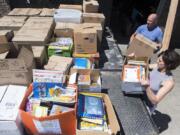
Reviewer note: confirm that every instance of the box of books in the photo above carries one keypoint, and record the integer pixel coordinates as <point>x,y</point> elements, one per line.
<point>95,115</point>
<point>88,80</point>
<point>135,68</point>
<point>56,116</point>
<point>11,97</point>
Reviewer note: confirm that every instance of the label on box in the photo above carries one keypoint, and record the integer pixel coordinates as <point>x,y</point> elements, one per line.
<point>48,126</point>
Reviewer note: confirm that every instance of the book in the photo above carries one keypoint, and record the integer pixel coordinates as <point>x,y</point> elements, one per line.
<point>96,121</point>
<point>84,80</point>
<point>81,63</point>
<point>40,111</point>
<point>48,76</point>
<point>131,73</point>
<point>90,126</point>
<point>90,107</point>
<point>59,109</point>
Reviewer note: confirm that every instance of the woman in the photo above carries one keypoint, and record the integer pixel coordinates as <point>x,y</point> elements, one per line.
<point>161,80</point>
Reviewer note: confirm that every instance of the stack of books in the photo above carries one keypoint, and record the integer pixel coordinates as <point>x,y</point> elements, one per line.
<point>91,112</point>
<point>62,47</point>
<point>48,85</point>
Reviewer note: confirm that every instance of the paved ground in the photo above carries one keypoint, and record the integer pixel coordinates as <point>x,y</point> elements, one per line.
<point>168,118</point>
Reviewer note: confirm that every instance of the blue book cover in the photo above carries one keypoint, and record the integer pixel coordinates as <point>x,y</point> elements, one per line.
<point>80,63</point>
<point>90,107</point>
<point>43,90</point>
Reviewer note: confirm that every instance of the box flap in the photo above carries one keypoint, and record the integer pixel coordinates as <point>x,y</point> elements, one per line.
<point>141,47</point>
<point>113,122</point>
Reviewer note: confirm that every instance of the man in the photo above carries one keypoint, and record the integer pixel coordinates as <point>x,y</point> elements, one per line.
<point>150,30</point>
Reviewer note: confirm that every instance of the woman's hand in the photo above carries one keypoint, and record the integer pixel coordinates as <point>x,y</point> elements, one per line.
<point>145,83</point>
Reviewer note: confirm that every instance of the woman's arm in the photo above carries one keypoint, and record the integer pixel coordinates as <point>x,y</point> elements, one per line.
<point>164,90</point>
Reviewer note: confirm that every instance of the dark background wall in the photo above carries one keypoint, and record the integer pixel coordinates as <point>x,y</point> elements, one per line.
<point>4,7</point>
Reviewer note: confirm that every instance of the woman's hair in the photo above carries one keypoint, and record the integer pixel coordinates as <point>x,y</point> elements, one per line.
<point>171,59</point>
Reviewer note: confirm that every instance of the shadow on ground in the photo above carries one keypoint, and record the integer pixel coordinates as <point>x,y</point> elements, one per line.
<point>161,120</point>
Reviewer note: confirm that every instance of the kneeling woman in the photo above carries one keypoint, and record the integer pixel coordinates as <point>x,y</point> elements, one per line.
<point>161,80</point>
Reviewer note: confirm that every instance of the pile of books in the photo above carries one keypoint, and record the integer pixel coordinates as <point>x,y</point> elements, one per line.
<point>48,85</point>
<point>61,47</point>
<point>39,108</point>
<point>91,112</point>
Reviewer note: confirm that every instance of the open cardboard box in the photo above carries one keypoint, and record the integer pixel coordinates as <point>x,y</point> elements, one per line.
<point>95,78</point>
<point>143,49</point>
<point>111,116</point>
<point>62,123</point>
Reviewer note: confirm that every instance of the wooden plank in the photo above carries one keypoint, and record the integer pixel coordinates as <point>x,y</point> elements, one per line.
<point>36,31</point>
<point>12,22</point>
<point>47,12</point>
<point>169,24</point>
<point>25,12</point>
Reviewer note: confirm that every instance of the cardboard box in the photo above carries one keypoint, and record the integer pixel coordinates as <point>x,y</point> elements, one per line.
<point>65,29</point>
<point>143,50</point>
<point>62,123</point>
<point>36,31</point>
<point>17,71</point>
<point>10,123</point>
<point>68,16</point>
<point>141,46</point>
<point>85,40</point>
<point>25,12</point>
<point>98,28</point>
<point>90,6</point>
<point>12,22</point>
<point>95,78</point>
<point>70,6</point>
<point>111,116</point>
<point>94,18</point>
<point>47,12</point>
<point>40,55</point>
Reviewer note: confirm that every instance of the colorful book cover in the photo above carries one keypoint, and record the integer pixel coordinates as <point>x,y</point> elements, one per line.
<point>90,107</point>
<point>81,63</point>
<point>84,80</point>
<point>90,126</point>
